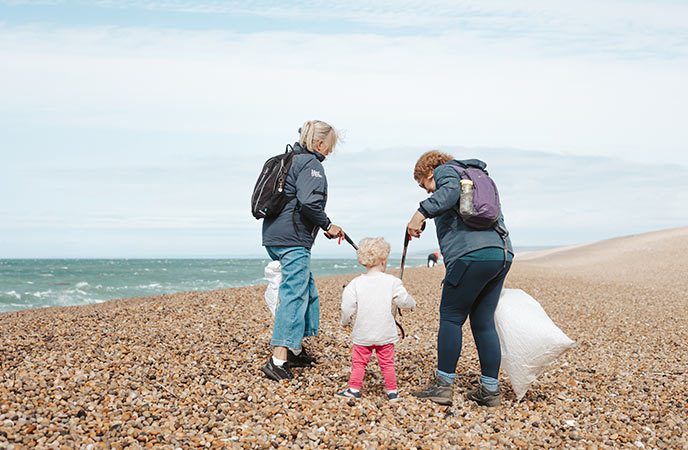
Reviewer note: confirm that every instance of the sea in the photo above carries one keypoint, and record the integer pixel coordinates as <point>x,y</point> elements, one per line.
<point>38,283</point>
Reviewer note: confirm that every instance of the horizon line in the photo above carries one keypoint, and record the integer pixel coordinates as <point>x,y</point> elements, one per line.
<point>520,248</point>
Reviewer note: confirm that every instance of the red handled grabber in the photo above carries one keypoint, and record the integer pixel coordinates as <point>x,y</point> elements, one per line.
<point>346,237</point>
<point>397,311</point>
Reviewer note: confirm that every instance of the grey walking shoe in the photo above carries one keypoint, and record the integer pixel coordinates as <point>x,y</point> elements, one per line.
<point>440,391</point>
<point>483,397</point>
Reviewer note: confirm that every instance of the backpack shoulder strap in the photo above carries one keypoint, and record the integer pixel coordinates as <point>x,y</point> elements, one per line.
<point>289,148</point>
<point>460,169</point>
<point>459,164</point>
<point>475,166</point>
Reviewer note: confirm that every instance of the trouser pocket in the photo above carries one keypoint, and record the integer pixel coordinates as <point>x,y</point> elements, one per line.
<point>456,272</point>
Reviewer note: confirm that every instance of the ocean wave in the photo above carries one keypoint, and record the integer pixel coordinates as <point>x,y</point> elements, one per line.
<point>125,278</point>
<point>39,294</point>
<point>22,305</point>
<point>90,300</point>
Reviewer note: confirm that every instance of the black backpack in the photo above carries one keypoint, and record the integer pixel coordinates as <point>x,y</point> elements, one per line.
<point>268,199</point>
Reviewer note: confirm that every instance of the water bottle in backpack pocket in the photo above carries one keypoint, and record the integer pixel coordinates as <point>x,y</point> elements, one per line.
<point>466,207</point>
<point>479,205</point>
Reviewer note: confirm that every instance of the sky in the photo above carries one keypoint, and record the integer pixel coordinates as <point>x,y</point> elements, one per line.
<point>136,129</point>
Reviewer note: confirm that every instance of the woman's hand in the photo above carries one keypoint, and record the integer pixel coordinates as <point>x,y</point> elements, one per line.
<point>335,231</point>
<point>415,225</point>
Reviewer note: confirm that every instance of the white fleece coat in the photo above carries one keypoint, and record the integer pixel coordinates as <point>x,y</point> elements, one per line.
<point>371,296</point>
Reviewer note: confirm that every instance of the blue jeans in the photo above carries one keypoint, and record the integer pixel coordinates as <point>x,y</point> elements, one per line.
<point>298,313</point>
<point>471,288</point>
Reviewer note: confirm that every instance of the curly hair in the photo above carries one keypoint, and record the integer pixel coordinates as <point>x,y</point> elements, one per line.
<point>372,251</point>
<point>428,162</point>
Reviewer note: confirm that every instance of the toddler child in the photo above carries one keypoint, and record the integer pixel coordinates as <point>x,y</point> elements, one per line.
<point>371,296</point>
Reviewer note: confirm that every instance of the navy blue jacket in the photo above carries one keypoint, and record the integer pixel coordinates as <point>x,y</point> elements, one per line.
<point>455,238</point>
<point>298,223</point>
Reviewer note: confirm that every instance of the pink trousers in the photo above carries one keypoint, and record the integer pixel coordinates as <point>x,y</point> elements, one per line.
<point>385,358</point>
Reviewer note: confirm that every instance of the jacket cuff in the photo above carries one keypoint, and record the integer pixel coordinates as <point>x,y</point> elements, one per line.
<point>424,212</point>
<point>327,224</point>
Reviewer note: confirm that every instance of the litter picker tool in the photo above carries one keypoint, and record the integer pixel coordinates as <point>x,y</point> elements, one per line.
<point>346,237</point>
<point>407,239</point>
<point>397,311</point>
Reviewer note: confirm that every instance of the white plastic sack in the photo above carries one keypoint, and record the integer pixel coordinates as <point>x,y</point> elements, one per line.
<point>273,273</point>
<point>530,340</point>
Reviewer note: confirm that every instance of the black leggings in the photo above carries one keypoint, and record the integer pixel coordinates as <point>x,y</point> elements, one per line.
<point>471,288</point>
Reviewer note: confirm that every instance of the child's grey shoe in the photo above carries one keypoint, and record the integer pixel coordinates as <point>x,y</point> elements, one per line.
<point>348,394</point>
<point>392,396</point>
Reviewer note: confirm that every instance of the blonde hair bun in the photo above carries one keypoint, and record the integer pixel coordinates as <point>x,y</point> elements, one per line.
<point>316,130</point>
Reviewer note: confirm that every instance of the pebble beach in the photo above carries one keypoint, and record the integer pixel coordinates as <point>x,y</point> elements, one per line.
<point>183,370</point>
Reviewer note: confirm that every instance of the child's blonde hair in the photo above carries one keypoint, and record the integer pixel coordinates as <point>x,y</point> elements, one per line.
<point>372,251</point>
<point>317,130</point>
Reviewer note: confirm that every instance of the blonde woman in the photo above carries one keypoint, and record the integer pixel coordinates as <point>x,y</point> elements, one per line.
<point>288,239</point>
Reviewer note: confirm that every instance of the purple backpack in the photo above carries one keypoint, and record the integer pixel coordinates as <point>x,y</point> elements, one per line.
<point>485,197</point>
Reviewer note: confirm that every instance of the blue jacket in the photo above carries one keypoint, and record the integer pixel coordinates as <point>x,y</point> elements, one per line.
<point>455,238</point>
<point>298,223</point>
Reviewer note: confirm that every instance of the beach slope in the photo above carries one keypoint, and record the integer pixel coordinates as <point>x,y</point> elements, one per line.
<point>183,370</point>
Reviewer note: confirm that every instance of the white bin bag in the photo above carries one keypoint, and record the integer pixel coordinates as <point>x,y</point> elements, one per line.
<point>530,340</point>
<point>273,273</point>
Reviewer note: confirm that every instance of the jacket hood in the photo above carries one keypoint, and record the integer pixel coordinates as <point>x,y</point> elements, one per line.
<point>478,164</point>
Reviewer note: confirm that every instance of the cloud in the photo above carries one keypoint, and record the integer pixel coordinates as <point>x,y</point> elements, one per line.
<point>199,206</point>
<point>547,199</point>
<point>132,135</point>
<point>606,27</point>
<point>447,89</point>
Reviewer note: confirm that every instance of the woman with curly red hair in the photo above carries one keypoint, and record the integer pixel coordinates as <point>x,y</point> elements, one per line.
<point>477,262</point>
